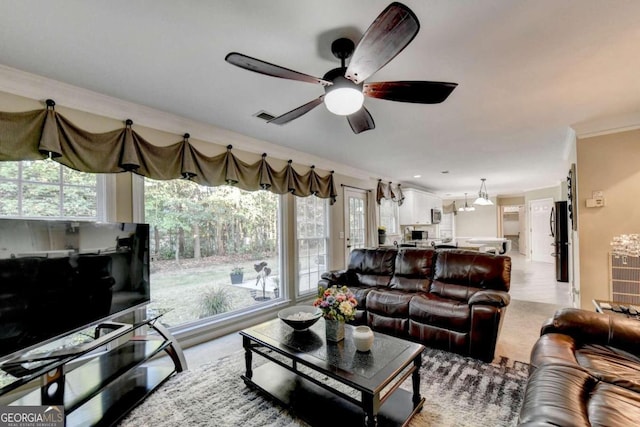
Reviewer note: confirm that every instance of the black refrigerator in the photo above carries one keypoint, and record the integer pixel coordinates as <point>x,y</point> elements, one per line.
<point>559,224</point>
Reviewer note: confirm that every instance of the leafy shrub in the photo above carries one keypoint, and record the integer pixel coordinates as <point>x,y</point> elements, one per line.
<point>215,301</point>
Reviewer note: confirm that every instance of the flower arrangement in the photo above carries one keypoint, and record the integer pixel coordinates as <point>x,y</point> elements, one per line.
<point>382,229</point>
<point>336,303</point>
<point>237,270</point>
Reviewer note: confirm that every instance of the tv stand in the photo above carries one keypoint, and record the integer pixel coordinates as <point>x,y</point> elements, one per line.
<point>100,382</point>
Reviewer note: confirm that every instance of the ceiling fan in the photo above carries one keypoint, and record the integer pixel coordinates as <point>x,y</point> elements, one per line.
<point>344,87</point>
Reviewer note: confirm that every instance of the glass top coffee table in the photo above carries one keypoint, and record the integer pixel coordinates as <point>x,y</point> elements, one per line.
<point>322,382</point>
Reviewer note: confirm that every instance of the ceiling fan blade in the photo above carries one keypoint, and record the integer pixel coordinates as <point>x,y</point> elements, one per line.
<point>410,91</point>
<point>297,112</point>
<point>262,67</point>
<point>387,36</point>
<point>361,121</point>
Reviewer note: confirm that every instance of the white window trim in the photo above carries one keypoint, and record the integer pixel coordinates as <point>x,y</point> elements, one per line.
<point>396,214</point>
<point>294,250</point>
<point>137,195</point>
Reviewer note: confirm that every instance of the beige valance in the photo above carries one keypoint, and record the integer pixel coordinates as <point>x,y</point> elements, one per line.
<point>386,191</point>
<point>39,134</point>
<point>450,208</point>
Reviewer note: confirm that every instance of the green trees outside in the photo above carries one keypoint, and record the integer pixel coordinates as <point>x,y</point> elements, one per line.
<point>192,221</point>
<point>48,190</point>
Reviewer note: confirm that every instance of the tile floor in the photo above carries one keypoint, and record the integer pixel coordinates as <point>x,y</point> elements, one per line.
<point>530,281</point>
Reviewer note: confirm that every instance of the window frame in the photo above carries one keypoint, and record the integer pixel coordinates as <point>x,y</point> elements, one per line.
<point>103,188</point>
<point>327,242</point>
<point>395,216</point>
<point>208,324</point>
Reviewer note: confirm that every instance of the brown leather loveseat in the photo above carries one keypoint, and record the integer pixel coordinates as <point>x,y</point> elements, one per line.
<point>444,298</point>
<point>585,371</point>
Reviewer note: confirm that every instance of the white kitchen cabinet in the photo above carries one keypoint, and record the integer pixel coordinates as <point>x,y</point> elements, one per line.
<point>416,209</point>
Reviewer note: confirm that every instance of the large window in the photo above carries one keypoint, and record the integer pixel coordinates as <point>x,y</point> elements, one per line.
<point>46,189</point>
<point>312,235</point>
<point>214,249</point>
<point>389,215</point>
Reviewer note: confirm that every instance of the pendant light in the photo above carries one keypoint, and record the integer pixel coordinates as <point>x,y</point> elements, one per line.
<point>483,195</point>
<point>466,207</point>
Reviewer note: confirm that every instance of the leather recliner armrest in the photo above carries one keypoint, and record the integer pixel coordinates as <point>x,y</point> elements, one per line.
<point>334,276</point>
<point>596,328</point>
<point>490,297</point>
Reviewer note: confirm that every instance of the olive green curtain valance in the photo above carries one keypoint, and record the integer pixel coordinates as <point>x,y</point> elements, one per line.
<point>39,134</point>
<point>386,191</point>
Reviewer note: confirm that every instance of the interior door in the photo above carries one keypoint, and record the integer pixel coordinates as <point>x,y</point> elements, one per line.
<point>355,220</point>
<point>542,244</point>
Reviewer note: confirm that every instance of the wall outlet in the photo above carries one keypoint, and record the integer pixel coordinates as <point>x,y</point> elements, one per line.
<point>595,203</point>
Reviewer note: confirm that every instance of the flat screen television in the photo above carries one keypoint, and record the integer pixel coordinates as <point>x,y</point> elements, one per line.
<point>58,277</point>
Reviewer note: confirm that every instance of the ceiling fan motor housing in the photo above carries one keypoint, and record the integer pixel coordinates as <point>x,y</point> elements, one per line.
<point>342,48</point>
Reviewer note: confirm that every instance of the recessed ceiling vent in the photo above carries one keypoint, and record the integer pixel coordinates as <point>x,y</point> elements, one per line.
<point>264,115</point>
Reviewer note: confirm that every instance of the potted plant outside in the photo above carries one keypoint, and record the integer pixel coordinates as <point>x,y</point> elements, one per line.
<point>382,234</point>
<point>236,275</point>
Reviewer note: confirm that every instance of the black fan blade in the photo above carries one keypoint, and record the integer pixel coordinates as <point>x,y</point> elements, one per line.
<point>253,64</point>
<point>408,91</point>
<point>295,113</point>
<point>389,34</point>
<point>361,121</point>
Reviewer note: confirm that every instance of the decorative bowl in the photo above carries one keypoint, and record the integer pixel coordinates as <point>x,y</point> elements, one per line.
<point>289,316</point>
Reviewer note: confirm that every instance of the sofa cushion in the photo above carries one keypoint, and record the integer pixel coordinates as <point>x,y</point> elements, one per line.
<point>371,267</point>
<point>392,303</point>
<point>432,309</point>
<point>611,365</point>
<point>388,311</point>
<point>563,395</point>
<point>413,270</point>
<point>470,269</point>
<point>606,363</point>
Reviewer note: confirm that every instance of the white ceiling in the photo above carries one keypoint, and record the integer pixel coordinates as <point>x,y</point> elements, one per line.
<point>527,72</point>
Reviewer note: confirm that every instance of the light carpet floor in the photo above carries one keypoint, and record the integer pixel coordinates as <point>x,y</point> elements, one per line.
<point>459,391</point>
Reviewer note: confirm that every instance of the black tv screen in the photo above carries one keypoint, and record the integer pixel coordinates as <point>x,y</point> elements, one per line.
<point>57,277</point>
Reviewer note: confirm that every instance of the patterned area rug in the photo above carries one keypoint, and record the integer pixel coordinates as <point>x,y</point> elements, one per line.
<point>459,391</point>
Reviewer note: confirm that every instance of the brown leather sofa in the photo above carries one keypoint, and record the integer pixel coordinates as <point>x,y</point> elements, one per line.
<point>445,298</point>
<point>585,371</point>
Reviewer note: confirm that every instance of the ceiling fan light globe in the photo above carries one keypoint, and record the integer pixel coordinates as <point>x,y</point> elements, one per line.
<point>344,101</point>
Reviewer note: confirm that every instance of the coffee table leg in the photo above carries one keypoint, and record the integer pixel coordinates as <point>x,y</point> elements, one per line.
<point>371,405</point>
<point>246,343</point>
<point>417,363</point>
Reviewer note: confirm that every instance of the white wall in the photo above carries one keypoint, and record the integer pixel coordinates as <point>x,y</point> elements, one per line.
<point>511,224</point>
<point>479,223</point>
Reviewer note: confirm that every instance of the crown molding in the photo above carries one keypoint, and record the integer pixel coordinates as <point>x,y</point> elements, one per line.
<point>33,86</point>
<point>607,125</point>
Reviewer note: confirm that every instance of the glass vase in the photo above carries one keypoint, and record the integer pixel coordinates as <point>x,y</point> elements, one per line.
<point>334,329</point>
